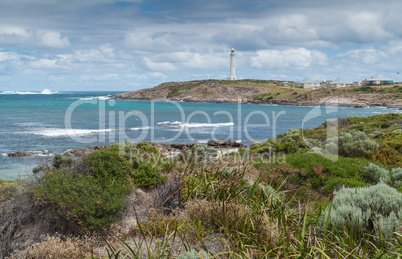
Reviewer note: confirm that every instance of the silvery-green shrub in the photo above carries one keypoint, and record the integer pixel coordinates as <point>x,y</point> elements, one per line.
<point>377,209</point>
<point>376,173</point>
<point>396,177</point>
<point>193,254</point>
<point>397,131</point>
<point>356,144</point>
<point>292,136</point>
<point>331,148</point>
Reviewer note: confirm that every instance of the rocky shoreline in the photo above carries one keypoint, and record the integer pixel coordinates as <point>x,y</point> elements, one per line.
<point>163,148</point>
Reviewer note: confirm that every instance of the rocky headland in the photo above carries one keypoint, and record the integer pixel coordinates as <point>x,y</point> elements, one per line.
<point>268,92</point>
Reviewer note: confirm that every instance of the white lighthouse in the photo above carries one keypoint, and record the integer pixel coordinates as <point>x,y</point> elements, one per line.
<point>232,65</point>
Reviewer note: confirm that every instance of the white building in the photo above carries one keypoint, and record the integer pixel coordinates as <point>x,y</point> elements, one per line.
<point>378,80</point>
<point>308,83</point>
<point>232,65</point>
<point>337,83</point>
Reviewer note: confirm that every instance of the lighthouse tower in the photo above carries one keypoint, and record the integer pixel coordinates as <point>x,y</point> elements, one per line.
<point>232,65</point>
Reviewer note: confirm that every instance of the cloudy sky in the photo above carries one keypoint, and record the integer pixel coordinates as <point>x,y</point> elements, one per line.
<point>128,45</point>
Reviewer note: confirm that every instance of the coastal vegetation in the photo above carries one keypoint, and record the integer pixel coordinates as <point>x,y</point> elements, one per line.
<point>327,197</point>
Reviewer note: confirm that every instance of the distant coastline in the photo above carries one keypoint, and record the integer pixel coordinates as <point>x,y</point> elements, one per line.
<point>268,92</point>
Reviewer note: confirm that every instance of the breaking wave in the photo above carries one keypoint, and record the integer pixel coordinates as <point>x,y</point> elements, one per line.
<point>102,98</point>
<point>194,125</point>
<point>53,132</point>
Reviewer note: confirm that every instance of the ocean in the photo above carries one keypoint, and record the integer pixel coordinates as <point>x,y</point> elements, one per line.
<point>47,123</point>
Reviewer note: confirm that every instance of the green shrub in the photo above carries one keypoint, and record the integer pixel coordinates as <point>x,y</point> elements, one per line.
<point>147,148</point>
<point>106,164</point>
<point>255,146</point>
<point>351,170</point>
<point>38,169</point>
<point>375,209</point>
<point>60,161</point>
<point>193,254</point>
<point>148,176</point>
<point>271,193</point>
<point>376,173</point>
<point>397,131</point>
<point>335,183</point>
<point>93,196</point>
<point>286,147</point>
<point>356,144</point>
<point>396,177</point>
<point>138,153</point>
<point>200,153</point>
<point>293,136</point>
<point>92,203</point>
<point>201,149</point>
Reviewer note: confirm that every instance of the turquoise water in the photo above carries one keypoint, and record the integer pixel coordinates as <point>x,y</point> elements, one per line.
<point>56,122</point>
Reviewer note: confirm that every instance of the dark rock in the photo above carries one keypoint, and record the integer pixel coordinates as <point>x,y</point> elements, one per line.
<point>83,151</point>
<point>224,143</point>
<point>181,146</point>
<point>20,154</point>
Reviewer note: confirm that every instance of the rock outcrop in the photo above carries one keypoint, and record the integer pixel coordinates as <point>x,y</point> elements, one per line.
<point>227,143</point>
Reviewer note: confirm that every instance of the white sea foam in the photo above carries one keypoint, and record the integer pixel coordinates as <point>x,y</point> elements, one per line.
<point>35,153</point>
<point>202,141</point>
<point>40,153</point>
<point>140,128</point>
<point>52,132</point>
<point>45,91</point>
<point>64,132</point>
<point>17,92</point>
<point>194,125</point>
<point>102,98</point>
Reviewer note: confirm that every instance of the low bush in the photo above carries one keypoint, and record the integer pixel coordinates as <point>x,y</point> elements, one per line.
<point>8,189</point>
<point>232,216</point>
<point>376,173</point>
<point>106,165</point>
<point>335,183</point>
<point>148,176</point>
<point>396,177</point>
<point>370,210</point>
<point>193,254</point>
<point>60,161</point>
<point>91,203</point>
<point>351,170</point>
<point>355,144</point>
<point>37,169</point>
<point>93,197</point>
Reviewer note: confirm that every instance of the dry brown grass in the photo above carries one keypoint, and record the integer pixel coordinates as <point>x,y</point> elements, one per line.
<point>231,215</point>
<point>60,247</point>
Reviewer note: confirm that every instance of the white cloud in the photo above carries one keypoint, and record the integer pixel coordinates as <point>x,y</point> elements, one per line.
<point>149,41</point>
<point>13,35</point>
<point>295,57</point>
<point>54,40</point>
<point>147,75</point>
<point>8,56</point>
<point>106,77</point>
<point>108,51</point>
<point>368,26</point>
<point>43,63</point>
<point>158,65</point>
